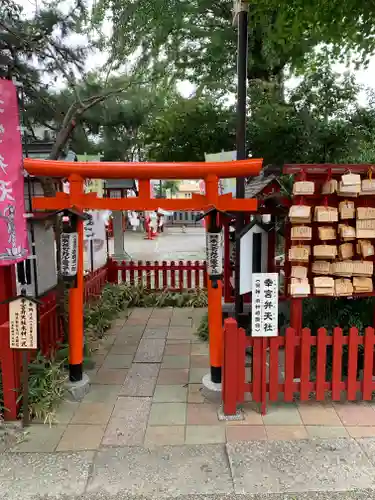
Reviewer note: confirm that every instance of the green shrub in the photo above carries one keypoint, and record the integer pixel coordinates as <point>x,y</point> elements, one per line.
<point>46,387</point>
<point>202,330</point>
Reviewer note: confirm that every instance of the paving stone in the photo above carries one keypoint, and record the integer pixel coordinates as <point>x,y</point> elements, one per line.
<point>199,361</point>
<point>162,312</point>
<point>92,413</point>
<point>170,394</point>
<point>176,362</point>
<point>114,361</point>
<point>196,375</point>
<point>356,414</point>
<point>65,412</point>
<point>102,394</point>
<point>168,414</point>
<point>81,437</point>
<point>199,349</point>
<point>98,359</point>
<point>158,322</point>
<point>361,431</point>
<point>157,472</point>
<point>177,350</point>
<point>128,423</point>
<point>284,432</point>
<point>324,431</point>
<point>141,380</point>
<point>40,438</point>
<point>164,435</point>
<point>282,415</point>
<point>155,332</point>
<point>203,434</point>
<point>202,414</point>
<point>124,348</point>
<point>182,321</point>
<point>43,474</point>
<point>173,377</point>
<point>245,433</point>
<point>195,393</point>
<point>317,414</point>
<point>150,351</point>
<point>251,416</point>
<point>261,467</point>
<point>181,333</point>
<point>107,376</point>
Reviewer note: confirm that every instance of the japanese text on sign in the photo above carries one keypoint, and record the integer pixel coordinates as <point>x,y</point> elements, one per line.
<point>214,249</point>
<point>23,325</point>
<point>264,310</point>
<point>69,254</point>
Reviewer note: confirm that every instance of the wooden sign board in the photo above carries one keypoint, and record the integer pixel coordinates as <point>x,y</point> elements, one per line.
<point>23,324</point>
<point>265,305</point>
<point>69,254</point>
<point>214,249</point>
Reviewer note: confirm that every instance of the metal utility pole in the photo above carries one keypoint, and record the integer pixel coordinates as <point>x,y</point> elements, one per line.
<point>241,20</point>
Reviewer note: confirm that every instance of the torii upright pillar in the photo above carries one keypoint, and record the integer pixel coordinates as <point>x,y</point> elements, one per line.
<point>77,172</point>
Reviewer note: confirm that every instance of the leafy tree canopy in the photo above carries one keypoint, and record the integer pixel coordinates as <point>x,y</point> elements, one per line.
<point>197,38</point>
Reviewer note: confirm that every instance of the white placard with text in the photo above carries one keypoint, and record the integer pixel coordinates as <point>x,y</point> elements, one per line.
<point>265,305</point>
<point>23,324</point>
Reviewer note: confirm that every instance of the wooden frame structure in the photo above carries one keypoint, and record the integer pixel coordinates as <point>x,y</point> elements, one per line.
<point>77,173</point>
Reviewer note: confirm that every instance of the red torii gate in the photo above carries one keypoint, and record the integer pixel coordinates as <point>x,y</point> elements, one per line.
<point>77,172</point>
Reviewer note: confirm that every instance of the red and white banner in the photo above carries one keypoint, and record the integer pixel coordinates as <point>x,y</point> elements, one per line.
<point>13,229</point>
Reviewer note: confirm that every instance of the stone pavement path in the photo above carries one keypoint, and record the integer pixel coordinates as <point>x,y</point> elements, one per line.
<point>145,429</point>
<point>146,391</point>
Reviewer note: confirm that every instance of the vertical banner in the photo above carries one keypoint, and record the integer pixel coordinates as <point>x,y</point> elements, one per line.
<point>13,230</point>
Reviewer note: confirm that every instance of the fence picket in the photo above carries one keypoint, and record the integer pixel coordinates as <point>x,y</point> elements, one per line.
<point>181,285</point>
<point>274,369</point>
<point>148,275</point>
<point>321,363</point>
<point>352,364</point>
<point>257,369</point>
<point>173,274</point>
<point>368,345</point>
<point>164,275</point>
<point>131,272</point>
<point>305,364</point>
<point>240,363</point>
<point>338,341</point>
<point>189,275</point>
<point>289,363</point>
<point>157,275</point>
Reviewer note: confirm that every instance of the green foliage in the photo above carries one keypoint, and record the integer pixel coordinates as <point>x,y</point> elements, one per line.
<point>46,387</point>
<point>161,190</point>
<point>343,312</point>
<point>198,40</point>
<point>189,128</point>
<point>202,330</point>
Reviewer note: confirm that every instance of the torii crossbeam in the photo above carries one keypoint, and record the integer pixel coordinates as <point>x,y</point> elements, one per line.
<point>77,172</point>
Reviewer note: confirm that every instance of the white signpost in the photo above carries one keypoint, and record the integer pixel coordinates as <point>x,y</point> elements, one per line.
<point>265,302</point>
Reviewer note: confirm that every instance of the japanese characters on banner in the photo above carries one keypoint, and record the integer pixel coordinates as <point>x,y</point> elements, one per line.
<point>23,324</point>
<point>264,310</point>
<point>13,230</point>
<point>214,249</point>
<point>69,254</point>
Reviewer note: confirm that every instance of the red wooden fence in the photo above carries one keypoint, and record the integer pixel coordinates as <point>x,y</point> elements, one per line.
<point>50,335</point>
<point>178,276</point>
<point>264,380</point>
